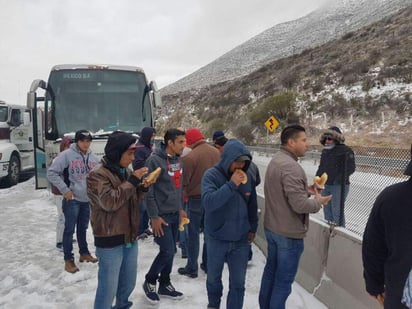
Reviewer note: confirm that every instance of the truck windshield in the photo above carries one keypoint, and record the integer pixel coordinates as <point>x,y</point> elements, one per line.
<point>97,100</point>
<point>3,113</point>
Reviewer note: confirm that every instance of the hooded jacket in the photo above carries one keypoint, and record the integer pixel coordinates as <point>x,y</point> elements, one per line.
<point>230,211</point>
<point>144,148</point>
<point>339,161</point>
<point>165,196</point>
<point>78,166</point>
<point>114,196</point>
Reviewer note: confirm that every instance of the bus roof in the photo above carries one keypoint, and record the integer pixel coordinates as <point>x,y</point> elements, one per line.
<point>97,67</point>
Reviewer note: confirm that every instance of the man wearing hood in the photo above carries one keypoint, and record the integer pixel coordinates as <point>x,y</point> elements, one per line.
<point>338,161</point>
<point>230,206</point>
<point>78,160</point>
<point>143,150</point>
<point>115,193</point>
<point>164,207</point>
<point>387,243</point>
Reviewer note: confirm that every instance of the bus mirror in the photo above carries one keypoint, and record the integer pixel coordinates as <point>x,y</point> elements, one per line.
<point>157,99</point>
<point>153,86</point>
<point>31,96</point>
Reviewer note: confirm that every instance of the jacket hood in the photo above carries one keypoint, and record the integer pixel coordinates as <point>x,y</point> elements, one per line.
<point>117,144</point>
<point>333,132</point>
<point>146,136</point>
<point>233,149</point>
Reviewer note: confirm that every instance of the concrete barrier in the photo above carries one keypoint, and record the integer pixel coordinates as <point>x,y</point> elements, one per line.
<point>331,265</point>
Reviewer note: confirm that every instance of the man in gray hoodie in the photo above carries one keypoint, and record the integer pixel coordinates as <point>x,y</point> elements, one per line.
<point>68,174</point>
<point>164,206</point>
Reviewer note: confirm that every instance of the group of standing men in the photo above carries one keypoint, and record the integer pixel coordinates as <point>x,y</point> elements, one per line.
<point>220,183</point>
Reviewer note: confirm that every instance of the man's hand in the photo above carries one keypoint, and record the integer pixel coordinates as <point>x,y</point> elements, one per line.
<point>68,196</point>
<point>139,173</point>
<point>237,177</point>
<point>157,226</point>
<point>323,200</point>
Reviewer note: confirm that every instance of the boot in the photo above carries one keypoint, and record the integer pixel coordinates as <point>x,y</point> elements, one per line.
<point>87,258</point>
<point>70,267</point>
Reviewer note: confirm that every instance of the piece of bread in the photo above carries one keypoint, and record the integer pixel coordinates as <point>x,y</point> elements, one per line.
<point>152,177</point>
<point>183,221</point>
<point>244,179</point>
<point>320,181</point>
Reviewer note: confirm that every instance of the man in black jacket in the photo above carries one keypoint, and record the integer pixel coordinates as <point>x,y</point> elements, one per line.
<point>143,150</point>
<point>338,161</point>
<point>387,243</point>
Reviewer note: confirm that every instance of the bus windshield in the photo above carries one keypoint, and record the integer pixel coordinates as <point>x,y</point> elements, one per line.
<point>97,100</point>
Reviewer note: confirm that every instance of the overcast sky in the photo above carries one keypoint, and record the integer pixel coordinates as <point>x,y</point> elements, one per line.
<point>168,39</point>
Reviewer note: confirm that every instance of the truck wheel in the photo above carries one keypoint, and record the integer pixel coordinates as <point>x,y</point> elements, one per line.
<point>14,171</point>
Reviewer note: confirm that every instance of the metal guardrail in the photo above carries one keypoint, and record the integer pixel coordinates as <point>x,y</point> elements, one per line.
<point>370,161</point>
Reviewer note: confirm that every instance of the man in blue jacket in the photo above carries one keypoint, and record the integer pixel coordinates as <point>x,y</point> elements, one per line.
<point>230,203</point>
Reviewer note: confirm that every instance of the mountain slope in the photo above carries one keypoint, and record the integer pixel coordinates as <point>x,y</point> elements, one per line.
<point>361,82</point>
<point>327,23</point>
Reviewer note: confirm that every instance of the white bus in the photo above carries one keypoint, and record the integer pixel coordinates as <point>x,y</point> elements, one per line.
<point>98,98</point>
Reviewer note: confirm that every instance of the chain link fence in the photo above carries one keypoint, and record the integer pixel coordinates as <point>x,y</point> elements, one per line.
<point>376,168</point>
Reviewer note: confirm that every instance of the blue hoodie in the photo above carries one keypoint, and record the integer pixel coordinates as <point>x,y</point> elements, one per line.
<point>230,211</point>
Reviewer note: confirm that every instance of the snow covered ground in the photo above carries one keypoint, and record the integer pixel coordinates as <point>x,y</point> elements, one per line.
<point>32,275</point>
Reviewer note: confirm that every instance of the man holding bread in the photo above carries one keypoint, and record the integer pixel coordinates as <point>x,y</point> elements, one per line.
<point>230,203</point>
<point>286,218</point>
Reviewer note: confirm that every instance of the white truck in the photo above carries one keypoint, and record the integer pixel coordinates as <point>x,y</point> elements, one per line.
<point>16,143</point>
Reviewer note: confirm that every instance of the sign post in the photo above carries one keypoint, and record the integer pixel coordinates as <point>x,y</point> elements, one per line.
<point>271,124</point>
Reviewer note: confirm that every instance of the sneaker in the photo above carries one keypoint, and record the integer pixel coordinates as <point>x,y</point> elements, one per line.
<point>87,258</point>
<point>150,291</point>
<point>59,246</point>
<point>168,290</point>
<point>70,267</point>
<point>183,271</point>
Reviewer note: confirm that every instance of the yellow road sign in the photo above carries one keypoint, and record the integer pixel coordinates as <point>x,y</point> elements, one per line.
<point>272,123</point>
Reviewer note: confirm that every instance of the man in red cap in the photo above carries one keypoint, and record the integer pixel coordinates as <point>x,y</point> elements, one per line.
<point>195,163</point>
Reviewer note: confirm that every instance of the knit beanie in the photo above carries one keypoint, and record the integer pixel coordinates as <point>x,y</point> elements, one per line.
<point>217,134</point>
<point>193,135</point>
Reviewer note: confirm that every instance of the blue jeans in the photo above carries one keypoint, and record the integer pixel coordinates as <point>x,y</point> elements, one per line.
<point>116,276</point>
<point>144,218</point>
<point>195,213</point>
<point>76,215</point>
<point>236,255</point>
<point>331,211</point>
<point>280,270</point>
<point>163,262</point>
